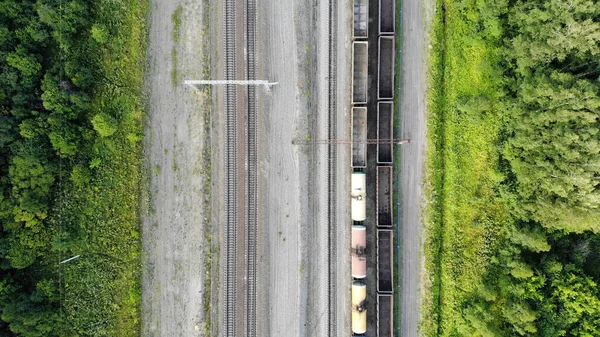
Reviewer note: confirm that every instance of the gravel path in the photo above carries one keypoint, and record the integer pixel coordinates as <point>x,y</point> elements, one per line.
<point>283,170</point>
<point>176,229</point>
<point>292,281</point>
<point>415,15</point>
<point>292,284</point>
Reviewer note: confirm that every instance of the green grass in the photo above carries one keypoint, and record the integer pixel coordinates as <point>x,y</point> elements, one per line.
<point>464,215</point>
<point>174,65</point>
<point>102,289</point>
<point>176,33</point>
<point>176,21</point>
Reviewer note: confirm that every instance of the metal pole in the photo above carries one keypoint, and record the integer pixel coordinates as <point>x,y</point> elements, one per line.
<point>69,259</point>
<point>225,82</point>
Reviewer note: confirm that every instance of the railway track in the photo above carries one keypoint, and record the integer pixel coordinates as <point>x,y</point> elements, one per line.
<point>231,207</point>
<point>252,171</point>
<point>231,183</point>
<point>332,169</point>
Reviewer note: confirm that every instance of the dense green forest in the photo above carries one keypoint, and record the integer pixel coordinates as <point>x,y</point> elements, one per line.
<point>70,129</point>
<point>513,244</point>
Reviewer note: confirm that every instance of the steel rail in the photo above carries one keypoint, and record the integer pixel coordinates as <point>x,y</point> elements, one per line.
<point>332,171</point>
<point>252,171</point>
<point>231,200</point>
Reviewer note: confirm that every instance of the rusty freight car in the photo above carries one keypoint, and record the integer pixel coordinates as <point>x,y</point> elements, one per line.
<point>385,245</point>
<point>384,197</point>
<point>360,56</point>
<point>385,315</point>
<point>359,135</point>
<point>385,89</point>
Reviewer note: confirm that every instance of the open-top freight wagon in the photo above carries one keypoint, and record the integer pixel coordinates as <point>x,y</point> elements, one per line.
<point>385,217</point>
<point>359,136</point>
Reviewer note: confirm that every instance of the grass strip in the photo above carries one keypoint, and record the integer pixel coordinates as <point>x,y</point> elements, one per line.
<point>463,213</point>
<point>102,289</point>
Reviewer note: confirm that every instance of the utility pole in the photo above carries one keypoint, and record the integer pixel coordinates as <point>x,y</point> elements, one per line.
<point>69,259</point>
<point>397,141</point>
<point>195,83</point>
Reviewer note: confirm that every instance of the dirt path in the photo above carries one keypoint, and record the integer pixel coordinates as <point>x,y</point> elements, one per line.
<point>177,232</point>
<point>413,108</point>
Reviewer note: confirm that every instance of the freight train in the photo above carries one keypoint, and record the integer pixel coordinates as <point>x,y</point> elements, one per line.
<point>359,307</point>
<point>383,39</point>
<point>359,196</point>
<point>359,246</point>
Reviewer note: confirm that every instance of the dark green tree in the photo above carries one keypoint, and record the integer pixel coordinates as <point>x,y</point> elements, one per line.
<point>554,30</point>
<point>554,151</point>
<point>572,307</point>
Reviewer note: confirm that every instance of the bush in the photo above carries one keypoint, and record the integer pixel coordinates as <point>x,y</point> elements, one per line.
<point>104,124</point>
